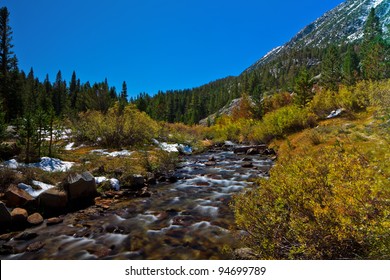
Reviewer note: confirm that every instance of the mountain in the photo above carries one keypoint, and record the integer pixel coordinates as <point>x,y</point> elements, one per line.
<point>276,71</point>
<point>343,24</point>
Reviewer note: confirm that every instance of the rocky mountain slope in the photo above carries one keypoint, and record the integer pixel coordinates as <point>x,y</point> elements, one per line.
<point>344,23</point>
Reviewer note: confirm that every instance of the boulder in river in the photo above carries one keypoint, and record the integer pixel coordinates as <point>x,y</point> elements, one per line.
<point>36,246</point>
<point>247,165</point>
<point>210,163</point>
<point>80,186</point>
<point>16,197</point>
<point>26,235</point>
<point>253,149</point>
<point>54,221</point>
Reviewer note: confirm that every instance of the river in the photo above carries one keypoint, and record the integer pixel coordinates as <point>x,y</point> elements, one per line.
<point>188,219</point>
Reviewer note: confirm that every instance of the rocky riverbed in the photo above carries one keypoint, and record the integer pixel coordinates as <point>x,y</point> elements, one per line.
<point>187,219</point>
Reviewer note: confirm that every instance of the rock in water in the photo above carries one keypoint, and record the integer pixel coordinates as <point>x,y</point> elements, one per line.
<point>252,151</point>
<point>35,219</point>
<point>54,221</point>
<point>247,165</point>
<point>17,197</point>
<point>81,186</point>
<point>36,246</point>
<point>26,235</point>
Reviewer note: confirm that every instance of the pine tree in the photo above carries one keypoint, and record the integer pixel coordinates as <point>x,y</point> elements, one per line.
<point>59,95</point>
<point>124,97</point>
<point>373,49</point>
<point>331,72</point>
<point>2,124</point>
<point>8,64</point>
<point>303,88</point>
<point>5,42</point>
<point>350,66</point>
<point>372,28</point>
<point>73,90</point>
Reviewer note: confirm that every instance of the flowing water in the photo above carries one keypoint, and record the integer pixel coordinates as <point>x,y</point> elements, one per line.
<point>189,219</point>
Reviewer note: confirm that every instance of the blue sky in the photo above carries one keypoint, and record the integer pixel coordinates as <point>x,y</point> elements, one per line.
<point>153,44</point>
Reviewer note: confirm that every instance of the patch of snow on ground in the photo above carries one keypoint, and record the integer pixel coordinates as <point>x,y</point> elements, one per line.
<point>58,134</point>
<point>12,163</point>
<point>123,153</point>
<point>335,113</point>
<point>46,164</point>
<point>69,147</point>
<point>52,165</point>
<point>173,148</point>
<point>377,3</point>
<point>170,148</point>
<point>101,179</point>
<point>114,182</point>
<point>31,191</point>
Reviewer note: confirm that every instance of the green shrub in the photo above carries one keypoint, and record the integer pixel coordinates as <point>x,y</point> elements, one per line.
<point>281,122</point>
<point>116,129</point>
<point>328,205</point>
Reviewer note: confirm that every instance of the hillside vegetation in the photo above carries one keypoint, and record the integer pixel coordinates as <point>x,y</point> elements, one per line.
<point>328,196</point>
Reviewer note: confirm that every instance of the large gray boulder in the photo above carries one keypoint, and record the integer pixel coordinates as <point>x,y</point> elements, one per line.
<point>5,215</point>
<point>53,198</point>
<point>81,186</point>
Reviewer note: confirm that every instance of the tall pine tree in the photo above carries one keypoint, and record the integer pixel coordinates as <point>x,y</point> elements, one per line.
<point>331,72</point>
<point>350,67</point>
<point>9,90</point>
<point>374,49</point>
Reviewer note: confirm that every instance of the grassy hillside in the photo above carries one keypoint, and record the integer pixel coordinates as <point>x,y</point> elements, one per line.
<point>328,196</point>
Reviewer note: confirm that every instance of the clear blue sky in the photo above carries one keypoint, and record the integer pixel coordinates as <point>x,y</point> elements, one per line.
<point>153,44</point>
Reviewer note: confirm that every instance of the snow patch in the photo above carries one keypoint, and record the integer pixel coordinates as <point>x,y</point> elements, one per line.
<point>173,148</point>
<point>12,164</point>
<point>69,147</point>
<point>46,164</point>
<point>52,165</point>
<point>114,182</point>
<point>377,3</point>
<point>123,153</point>
<point>33,192</point>
<point>335,113</point>
<point>58,134</point>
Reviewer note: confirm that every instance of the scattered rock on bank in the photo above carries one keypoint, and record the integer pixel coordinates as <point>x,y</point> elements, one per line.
<point>19,216</point>
<point>54,198</point>
<point>245,254</point>
<point>16,197</point>
<point>81,186</point>
<point>132,182</point>
<point>5,215</point>
<point>35,219</point>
